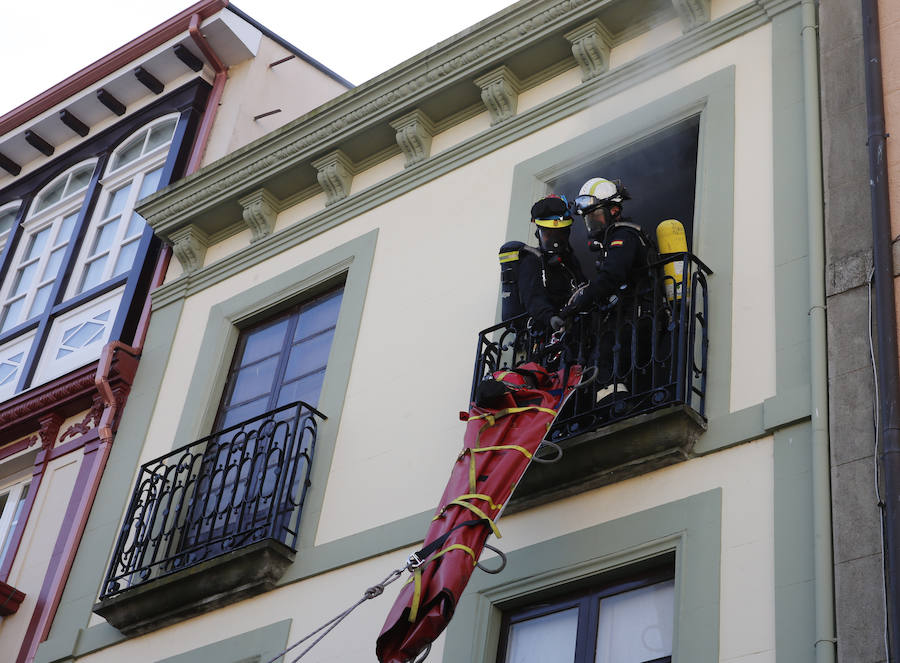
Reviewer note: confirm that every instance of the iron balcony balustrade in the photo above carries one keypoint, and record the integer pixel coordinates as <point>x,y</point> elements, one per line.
<point>222,493</point>
<point>643,351</point>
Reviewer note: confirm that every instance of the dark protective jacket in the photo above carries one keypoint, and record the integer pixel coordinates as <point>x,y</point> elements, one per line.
<point>624,260</point>
<point>563,275</point>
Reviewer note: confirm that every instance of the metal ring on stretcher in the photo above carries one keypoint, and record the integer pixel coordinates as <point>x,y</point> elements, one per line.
<point>590,380</point>
<point>502,561</point>
<point>423,654</point>
<point>547,461</point>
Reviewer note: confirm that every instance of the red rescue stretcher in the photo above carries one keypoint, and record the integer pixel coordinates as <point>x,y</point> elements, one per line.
<point>500,442</point>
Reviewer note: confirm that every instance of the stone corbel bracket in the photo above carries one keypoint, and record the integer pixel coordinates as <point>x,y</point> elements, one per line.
<point>189,245</point>
<point>500,93</point>
<point>335,173</point>
<point>591,44</point>
<point>693,13</point>
<point>260,209</point>
<point>414,132</point>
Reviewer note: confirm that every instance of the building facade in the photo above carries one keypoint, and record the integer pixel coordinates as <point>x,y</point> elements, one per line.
<point>861,220</point>
<point>347,260</point>
<point>77,262</point>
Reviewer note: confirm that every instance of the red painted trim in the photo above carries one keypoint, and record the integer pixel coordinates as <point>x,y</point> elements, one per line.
<point>215,96</point>
<point>10,599</point>
<point>74,445</point>
<point>96,454</point>
<point>21,445</point>
<point>37,475</point>
<point>108,64</point>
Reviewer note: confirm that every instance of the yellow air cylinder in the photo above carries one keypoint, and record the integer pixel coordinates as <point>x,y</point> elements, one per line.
<point>670,238</point>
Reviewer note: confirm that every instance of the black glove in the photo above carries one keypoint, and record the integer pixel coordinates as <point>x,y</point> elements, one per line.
<point>580,301</point>
<point>557,322</point>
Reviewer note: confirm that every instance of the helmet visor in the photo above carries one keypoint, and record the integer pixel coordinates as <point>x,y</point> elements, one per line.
<point>586,204</point>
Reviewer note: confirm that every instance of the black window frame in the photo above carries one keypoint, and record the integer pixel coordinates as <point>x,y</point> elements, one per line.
<point>586,596</point>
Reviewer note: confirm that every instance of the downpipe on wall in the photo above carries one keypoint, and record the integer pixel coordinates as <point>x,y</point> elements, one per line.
<point>823,557</point>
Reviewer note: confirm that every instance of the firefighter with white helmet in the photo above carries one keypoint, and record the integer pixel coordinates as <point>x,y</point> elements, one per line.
<point>621,244</point>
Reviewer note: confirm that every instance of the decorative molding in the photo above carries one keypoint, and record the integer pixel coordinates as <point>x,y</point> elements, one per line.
<point>189,245</point>
<point>401,89</point>
<point>710,36</point>
<point>260,212</point>
<point>414,132</point>
<point>50,424</point>
<point>335,173</point>
<point>693,13</point>
<point>47,396</point>
<point>591,44</point>
<point>90,420</point>
<point>500,93</point>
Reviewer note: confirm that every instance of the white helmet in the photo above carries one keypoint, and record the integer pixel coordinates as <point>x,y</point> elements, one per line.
<point>597,191</point>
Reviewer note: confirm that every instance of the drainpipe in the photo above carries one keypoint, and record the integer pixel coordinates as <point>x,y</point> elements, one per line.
<point>215,96</point>
<point>885,316</point>
<point>823,561</point>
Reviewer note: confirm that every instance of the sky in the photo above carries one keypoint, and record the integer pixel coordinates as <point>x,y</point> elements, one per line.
<point>41,43</point>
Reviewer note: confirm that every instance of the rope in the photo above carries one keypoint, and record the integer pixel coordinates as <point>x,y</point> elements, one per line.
<point>370,593</point>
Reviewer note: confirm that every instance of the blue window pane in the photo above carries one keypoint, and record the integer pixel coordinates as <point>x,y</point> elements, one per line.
<point>244,412</point>
<point>309,355</point>
<point>319,314</point>
<point>52,268</point>
<point>305,389</point>
<point>105,237</point>
<point>24,278</point>
<point>65,229</point>
<point>41,298</point>
<point>117,201</point>
<point>93,275</point>
<point>150,183</point>
<point>38,244</point>
<point>12,314</point>
<point>136,225</point>
<point>264,342</point>
<point>126,258</point>
<point>254,380</point>
<point>82,335</point>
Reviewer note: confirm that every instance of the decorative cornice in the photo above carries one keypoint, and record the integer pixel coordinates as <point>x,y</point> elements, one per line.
<point>710,36</point>
<point>335,173</point>
<point>591,44</point>
<point>387,95</point>
<point>500,93</point>
<point>693,13</point>
<point>414,132</point>
<point>260,211</point>
<point>39,400</point>
<point>189,245</point>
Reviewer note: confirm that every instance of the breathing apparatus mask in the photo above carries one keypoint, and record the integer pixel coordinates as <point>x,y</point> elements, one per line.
<point>553,221</point>
<point>599,203</point>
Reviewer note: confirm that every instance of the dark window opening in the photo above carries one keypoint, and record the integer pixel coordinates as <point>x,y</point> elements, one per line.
<point>660,173</point>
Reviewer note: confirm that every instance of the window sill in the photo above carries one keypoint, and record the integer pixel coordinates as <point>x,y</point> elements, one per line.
<point>198,589</point>
<point>10,599</point>
<point>621,450</point>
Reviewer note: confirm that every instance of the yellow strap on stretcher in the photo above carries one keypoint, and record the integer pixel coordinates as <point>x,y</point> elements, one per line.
<point>417,578</point>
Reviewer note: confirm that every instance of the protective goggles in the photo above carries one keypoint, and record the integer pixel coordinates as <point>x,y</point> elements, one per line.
<point>586,204</point>
<point>554,223</point>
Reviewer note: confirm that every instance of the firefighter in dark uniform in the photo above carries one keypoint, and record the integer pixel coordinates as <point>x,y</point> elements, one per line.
<point>623,252</point>
<point>549,275</point>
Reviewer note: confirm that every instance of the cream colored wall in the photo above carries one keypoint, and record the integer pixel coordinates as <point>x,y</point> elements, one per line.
<point>746,629</point>
<point>254,88</point>
<point>41,531</point>
<point>429,277</point>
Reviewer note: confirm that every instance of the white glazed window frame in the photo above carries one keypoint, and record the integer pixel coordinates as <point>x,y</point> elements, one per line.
<point>115,227</point>
<point>42,266</point>
<point>16,494</point>
<point>11,209</point>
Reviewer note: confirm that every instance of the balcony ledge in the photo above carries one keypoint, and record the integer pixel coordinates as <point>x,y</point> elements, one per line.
<point>609,454</point>
<point>197,589</point>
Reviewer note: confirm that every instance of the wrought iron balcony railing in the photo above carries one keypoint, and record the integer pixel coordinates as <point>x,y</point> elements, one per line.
<point>221,493</point>
<point>643,351</point>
